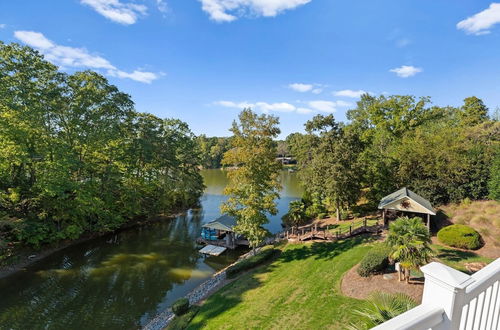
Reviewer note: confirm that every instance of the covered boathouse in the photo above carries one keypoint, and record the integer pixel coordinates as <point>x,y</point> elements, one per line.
<point>405,200</point>
<point>220,232</point>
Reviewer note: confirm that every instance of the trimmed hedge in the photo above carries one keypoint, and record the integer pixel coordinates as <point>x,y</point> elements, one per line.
<point>460,236</point>
<point>182,322</point>
<point>375,261</point>
<point>251,262</point>
<point>180,306</point>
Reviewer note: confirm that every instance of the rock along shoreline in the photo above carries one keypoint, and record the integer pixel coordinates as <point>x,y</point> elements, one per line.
<point>202,292</point>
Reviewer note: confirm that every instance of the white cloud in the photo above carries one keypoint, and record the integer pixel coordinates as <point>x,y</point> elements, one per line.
<point>403,42</point>
<point>304,110</point>
<point>140,76</point>
<point>261,106</point>
<point>312,106</point>
<point>350,93</point>
<point>406,71</point>
<point>481,22</point>
<point>327,106</point>
<point>301,87</point>
<point>279,107</point>
<point>230,10</point>
<point>162,6</point>
<point>65,57</point>
<point>119,12</point>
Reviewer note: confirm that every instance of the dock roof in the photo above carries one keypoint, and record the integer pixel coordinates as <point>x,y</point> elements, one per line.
<point>225,222</point>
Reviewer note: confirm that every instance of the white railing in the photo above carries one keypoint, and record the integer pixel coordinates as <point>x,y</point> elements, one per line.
<point>454,300</point>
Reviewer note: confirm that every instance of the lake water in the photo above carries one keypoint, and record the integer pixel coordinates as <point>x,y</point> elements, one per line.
<point>121,281</point>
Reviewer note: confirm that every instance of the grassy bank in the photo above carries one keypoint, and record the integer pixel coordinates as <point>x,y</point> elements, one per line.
<point>484,216</point>
<point>300,290</point>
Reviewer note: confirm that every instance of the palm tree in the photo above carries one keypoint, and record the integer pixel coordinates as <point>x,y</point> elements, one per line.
<point>410,241</point>
<point>384,306</point>
<point>296,213</point>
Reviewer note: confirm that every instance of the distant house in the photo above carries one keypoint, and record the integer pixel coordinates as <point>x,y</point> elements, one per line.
<point>405,200</point>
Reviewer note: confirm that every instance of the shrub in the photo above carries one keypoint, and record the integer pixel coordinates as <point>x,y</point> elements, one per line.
<point>181,322</point>
<point>460,236</point>
<point>375,261</point>
<point>251,262</point>
<point>180,306</point>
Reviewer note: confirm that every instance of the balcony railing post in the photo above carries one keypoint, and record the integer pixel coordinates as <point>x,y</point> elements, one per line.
<point>445,287</point>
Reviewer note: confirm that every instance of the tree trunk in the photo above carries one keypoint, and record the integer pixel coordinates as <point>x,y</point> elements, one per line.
<point>338,211</point>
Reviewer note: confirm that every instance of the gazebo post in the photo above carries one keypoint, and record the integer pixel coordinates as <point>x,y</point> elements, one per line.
<point>428,222</point>
<point>383,217</point>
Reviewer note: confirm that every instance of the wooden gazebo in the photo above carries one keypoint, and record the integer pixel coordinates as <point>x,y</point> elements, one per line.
<point>405,200</point>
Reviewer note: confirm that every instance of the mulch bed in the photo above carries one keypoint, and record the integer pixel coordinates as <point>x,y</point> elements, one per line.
<point>359,287</point>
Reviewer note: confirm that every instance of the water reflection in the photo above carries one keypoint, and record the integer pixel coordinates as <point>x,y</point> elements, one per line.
<point>120,281</point>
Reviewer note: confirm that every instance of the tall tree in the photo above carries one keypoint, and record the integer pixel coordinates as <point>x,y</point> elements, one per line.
<point>333,171</point>
<point>253,182</point>
<point>494,181</point>
<point>76,157</point>
<point>473,112</point>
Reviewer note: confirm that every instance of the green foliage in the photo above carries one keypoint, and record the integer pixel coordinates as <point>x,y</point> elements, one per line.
<point>460,236</point>
<point>375,261</point>
<point>180,306</point>
<point>330,165</point>
<point>296,215</point>
<point>251,262</point>
<point>409,241</point>
<point>442,153</point>
<point>212,150</point>
<point>494,181</point>
<point>473,112</point>
<point>181,322</point>
<point>383,307</point>
<point>76,157</point>
<point>253,182</point>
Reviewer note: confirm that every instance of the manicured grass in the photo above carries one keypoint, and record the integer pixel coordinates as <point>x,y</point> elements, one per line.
<point>343,226</point>
<point>299,290</point>
<point>457,258</point>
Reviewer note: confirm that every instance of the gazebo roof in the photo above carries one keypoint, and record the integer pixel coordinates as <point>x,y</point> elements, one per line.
<point>415,203</point>
<point>224,222</point>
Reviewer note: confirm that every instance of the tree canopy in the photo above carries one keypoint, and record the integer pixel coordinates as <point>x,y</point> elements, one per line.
<point>76,156</point>
<point>253,181</point>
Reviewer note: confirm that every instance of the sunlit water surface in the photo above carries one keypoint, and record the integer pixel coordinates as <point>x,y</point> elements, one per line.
<point>121,281</point>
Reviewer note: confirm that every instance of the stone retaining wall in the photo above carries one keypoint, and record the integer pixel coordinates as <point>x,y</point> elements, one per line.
<point>201,292</point>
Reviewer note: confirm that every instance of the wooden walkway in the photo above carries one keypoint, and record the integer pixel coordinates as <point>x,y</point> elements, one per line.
<point>328,233</point>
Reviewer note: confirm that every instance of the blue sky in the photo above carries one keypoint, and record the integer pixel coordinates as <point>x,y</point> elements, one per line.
<point>203,60</point>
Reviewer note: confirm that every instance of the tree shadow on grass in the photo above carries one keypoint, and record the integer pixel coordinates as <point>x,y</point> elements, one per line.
<point>454,255</point>
<point>231,295</point>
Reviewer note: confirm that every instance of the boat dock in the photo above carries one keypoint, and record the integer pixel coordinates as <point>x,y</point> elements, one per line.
<point>213,250</point>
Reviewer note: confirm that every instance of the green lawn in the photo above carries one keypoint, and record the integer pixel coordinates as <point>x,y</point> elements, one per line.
<point>343,226</point>
<point>299,290</point>
<point>457,258</point>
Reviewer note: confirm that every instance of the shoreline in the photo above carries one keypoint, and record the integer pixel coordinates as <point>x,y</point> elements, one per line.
<point>198,295</point>
<point>45,251</point>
